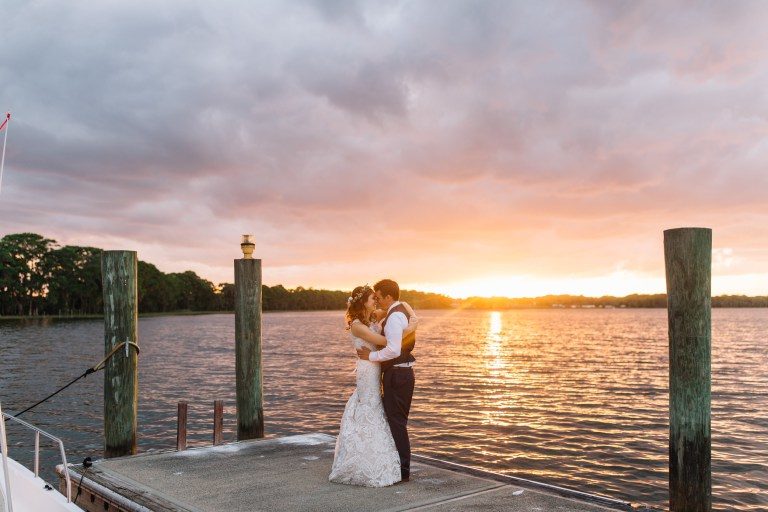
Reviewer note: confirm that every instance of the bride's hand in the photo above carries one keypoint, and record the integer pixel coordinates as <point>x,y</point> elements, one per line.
<point>408,308</point>
<point>413,320</point>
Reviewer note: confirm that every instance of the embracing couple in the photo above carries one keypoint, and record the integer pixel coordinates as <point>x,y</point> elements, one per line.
<point>373,447</point>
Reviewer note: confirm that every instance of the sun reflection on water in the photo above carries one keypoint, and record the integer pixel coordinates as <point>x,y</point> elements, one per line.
<point>495,394</point>
<point>493,341</point>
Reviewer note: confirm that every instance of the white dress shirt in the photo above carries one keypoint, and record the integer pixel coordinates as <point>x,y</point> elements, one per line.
<point>393,331</point>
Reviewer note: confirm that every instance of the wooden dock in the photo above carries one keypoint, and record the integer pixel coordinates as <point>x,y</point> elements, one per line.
<point>291,473</point>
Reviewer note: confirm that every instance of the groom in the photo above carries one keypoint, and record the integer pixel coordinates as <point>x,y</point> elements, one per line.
<point>397,367</point>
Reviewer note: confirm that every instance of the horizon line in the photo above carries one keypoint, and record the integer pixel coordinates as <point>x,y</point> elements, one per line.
<point>516,297</point>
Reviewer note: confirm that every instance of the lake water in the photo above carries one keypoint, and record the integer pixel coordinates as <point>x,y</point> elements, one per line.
<point>577,398</point>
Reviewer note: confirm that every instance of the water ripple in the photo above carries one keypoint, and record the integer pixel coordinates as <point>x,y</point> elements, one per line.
<point>577,398</point>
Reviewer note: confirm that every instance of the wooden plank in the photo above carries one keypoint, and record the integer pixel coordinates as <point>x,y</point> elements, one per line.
<point>132,498</point>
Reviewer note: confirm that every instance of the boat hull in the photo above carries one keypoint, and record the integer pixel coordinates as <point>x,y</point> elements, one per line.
<point>30,493</point>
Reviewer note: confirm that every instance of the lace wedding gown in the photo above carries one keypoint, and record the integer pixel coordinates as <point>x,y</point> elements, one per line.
<point>365,451</point>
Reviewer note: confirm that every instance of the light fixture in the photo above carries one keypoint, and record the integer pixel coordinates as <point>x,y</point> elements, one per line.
<point>247,247</point>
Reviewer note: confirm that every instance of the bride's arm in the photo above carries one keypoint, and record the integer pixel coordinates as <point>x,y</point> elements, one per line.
<point>413,322</point>
<point>361,330</point>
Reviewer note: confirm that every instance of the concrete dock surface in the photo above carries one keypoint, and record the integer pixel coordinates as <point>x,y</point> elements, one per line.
<point>291,473</point>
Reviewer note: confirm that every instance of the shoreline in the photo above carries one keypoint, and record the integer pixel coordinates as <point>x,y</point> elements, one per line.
<point>200,313</point>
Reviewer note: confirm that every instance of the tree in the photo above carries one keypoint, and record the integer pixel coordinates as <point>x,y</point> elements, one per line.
<point>25,271</point>
<point>153,289</point>
<point>74,281</point>
<point>226,292</point>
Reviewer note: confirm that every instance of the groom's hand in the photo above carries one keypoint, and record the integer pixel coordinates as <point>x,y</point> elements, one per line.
<point>363,353</point>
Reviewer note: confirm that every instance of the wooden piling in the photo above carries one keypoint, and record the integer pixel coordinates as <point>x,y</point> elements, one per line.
<point>218,421</point>
<point>688,260</point>
<point>181,426</point>
<point>121,380</point>
<point>250,413</point>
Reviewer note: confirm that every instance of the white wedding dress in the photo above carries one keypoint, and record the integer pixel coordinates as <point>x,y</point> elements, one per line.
<point>365,451</point>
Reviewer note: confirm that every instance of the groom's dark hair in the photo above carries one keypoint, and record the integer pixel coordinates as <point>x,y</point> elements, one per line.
<point>388,287</point>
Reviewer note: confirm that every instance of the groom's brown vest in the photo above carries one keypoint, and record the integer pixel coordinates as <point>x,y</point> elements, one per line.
<point>409,341</point>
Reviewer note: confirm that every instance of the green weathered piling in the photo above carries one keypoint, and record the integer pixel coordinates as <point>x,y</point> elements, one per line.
<point>250,411</point>
<point>121,380</point>
<point>688,260</point>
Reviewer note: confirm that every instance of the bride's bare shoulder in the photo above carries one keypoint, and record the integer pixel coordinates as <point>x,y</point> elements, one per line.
<point>357,327</point>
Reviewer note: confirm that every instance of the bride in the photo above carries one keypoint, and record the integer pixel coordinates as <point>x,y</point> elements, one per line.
<point>365,451</point>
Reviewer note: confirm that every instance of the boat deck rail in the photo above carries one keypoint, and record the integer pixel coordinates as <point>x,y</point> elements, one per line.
<point>38,432</point>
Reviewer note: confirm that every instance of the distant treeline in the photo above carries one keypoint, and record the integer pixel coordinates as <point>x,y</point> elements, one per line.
<point>38,277</point>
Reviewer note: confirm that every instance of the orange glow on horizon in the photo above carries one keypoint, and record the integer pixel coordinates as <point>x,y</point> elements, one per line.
<point>619,283</point>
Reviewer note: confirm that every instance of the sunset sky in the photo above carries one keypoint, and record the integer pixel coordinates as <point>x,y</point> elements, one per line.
<point>471,148</point>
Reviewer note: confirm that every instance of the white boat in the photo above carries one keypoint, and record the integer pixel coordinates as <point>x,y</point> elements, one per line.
<point>22,490</point>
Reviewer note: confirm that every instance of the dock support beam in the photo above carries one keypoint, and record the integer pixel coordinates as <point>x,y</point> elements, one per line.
<point>248,368</point>
<point>181,426</point>
<point>688,261</point>
<point>121,378</point>
<point>218,422</point>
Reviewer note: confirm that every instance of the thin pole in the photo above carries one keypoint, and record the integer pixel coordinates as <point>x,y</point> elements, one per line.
<point>8,501</point>
<point>5,141</point>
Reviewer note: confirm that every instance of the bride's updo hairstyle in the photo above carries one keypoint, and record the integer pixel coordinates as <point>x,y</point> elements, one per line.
<point>356,305</point>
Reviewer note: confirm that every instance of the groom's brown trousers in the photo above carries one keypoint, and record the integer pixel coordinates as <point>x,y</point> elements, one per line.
<point>398,392</point>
